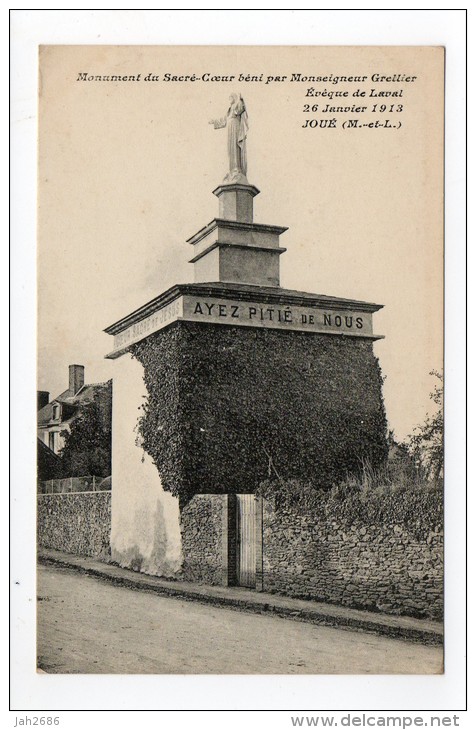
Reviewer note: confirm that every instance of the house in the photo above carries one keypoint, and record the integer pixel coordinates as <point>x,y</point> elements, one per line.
<point>58,414</point>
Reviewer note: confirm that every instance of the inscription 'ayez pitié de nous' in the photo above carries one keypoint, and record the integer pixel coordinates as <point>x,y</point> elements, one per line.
<point>267,315</point>
<point>248,314</point>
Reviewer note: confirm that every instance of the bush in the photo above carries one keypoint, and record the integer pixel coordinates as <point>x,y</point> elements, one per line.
<point>426,443</point>
<point>87,446</point>
<point>373,499</point>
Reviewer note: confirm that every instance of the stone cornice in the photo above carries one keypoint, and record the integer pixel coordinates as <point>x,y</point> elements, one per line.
<point>246,247</point>
<point>234,225</point>
<point>238,187</point>
<point>266,295</point>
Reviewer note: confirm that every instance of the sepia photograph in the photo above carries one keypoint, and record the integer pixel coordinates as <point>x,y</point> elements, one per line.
<point>238,490</point>
<point>240,360</point>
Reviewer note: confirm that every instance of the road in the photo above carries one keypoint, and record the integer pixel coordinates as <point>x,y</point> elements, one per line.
<point>88,626</point>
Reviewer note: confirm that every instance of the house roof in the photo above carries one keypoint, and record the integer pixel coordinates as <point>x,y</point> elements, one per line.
<point>47,452</point>
<point>49,464</point>
<point>72,402</point>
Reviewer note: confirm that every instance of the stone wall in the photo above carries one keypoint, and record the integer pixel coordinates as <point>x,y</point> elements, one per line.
<point>204,539</point>
<point>78,523</point>
<point>379,567</point>
<point>375,567</point>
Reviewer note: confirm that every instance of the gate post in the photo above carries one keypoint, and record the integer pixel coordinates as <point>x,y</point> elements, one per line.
<point>259,544</point>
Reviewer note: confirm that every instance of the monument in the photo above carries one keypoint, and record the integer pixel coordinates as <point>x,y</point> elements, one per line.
<point>229,381</point>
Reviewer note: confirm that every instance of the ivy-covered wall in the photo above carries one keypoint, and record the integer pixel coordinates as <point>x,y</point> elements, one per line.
<point>228,407</point>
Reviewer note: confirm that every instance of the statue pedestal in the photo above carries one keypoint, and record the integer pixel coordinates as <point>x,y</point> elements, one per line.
<point>237,252</point>
<point>234,249</point>
<point>236,201</point>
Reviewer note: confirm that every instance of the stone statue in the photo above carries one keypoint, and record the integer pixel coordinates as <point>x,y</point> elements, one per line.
<point>237,121</point>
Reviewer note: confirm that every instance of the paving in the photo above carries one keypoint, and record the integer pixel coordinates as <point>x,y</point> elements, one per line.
<point>243,599</point>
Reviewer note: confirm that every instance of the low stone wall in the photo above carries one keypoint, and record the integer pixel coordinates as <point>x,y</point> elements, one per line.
<point>376,567</point>
<point>379,567</point>
<point>204,539</point>
<point>78,523</point>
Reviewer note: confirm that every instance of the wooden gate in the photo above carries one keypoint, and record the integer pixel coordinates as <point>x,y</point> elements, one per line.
<point>246,540</point>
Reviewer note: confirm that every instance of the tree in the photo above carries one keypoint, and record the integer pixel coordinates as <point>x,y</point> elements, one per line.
<point>87,447</point>
<point>426,442</point>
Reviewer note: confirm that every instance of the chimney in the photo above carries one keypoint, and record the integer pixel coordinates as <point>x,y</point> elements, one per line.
<point>42,399</point>
<point>76,378</point>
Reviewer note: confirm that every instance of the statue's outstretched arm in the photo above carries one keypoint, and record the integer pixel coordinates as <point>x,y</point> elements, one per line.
<point>218,123</point>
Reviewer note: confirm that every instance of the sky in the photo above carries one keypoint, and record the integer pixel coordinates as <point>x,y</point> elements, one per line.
<point>127,169</point>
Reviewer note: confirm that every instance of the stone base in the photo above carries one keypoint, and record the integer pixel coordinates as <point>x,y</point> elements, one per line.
<point>235,264</point>
<point>236,201</point>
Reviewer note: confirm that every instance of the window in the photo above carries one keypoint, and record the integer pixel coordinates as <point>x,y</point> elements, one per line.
<point>52,440</point>
<point>56,412</point>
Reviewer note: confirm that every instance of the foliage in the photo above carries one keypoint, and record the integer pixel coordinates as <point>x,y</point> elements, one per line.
<point>370,500</point>
<point>228,408</point>
<point>406,490</point>
<point>87,447</point>
<point>401,491</point>
<point>426,444</point>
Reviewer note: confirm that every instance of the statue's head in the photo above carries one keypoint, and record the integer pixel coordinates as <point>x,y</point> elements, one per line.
<point>237,102</point>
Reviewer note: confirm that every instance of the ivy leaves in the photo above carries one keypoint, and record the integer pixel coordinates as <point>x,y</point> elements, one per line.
<point>228,407</point>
